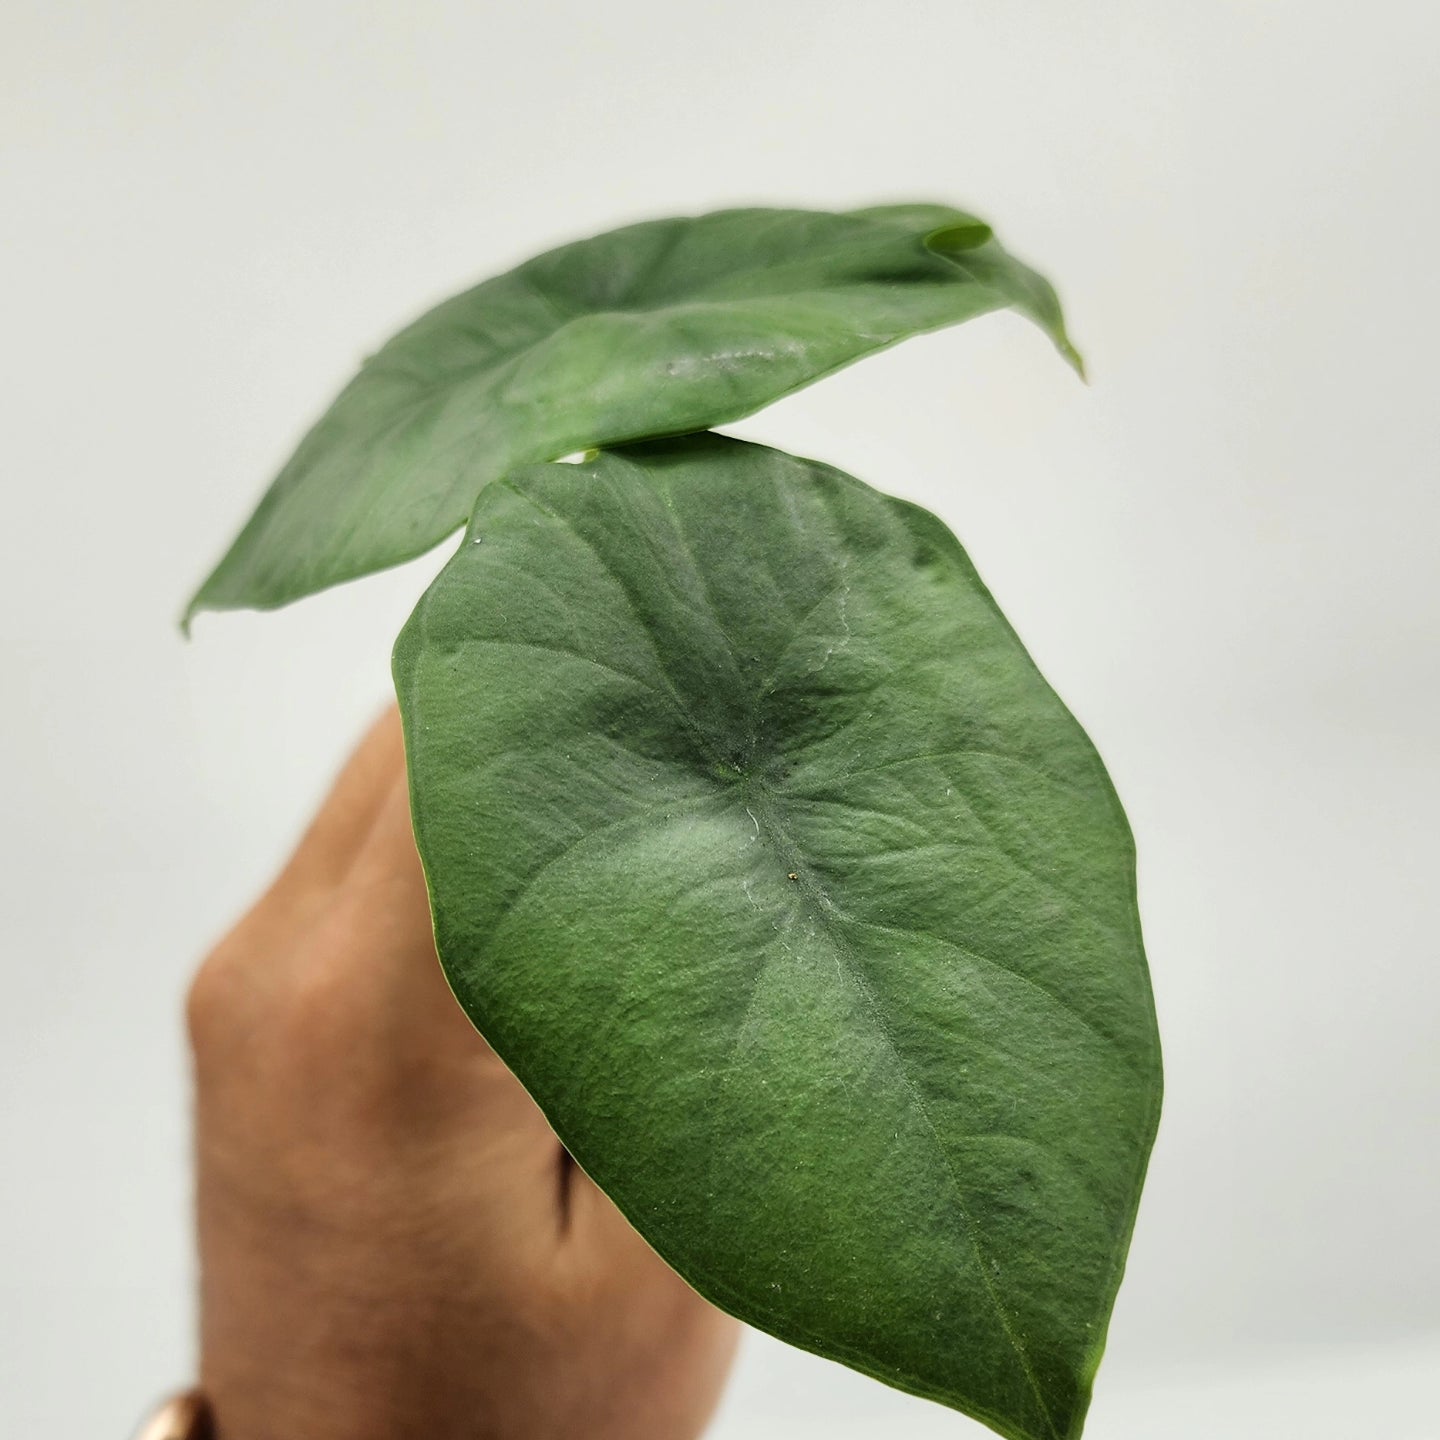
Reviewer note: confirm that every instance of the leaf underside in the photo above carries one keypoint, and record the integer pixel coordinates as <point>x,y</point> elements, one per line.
<point>655,329</point>
<point>764,856</point>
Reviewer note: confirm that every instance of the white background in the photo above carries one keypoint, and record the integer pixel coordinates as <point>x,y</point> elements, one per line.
<point>1223,554</point>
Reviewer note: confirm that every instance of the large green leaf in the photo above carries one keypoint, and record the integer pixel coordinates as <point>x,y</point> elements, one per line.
<point>762,853</point>
<point>656,329</point>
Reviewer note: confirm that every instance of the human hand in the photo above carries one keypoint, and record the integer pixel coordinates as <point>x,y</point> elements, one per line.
<point>392,1241</point>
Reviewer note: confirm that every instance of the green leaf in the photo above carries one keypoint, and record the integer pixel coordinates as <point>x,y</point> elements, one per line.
<point>764,856</point>
<point>656,329</point>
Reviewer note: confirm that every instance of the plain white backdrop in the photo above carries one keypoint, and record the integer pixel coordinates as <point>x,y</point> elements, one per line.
<point>1223,554</point>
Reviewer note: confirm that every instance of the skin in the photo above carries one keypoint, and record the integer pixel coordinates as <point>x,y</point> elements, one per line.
<point>392,1241</point>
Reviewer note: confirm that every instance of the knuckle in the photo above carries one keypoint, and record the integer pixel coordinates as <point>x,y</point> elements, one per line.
<point>328,1010</point>
<point>210,998</point>
<point>277,972</point>
<point>316,1011</point>
<point>297,1000</point>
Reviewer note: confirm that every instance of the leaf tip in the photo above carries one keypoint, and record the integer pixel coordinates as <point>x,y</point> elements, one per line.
<point>957,238</point>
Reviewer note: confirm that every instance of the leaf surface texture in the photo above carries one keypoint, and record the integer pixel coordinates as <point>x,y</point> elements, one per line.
<point>765,857</point>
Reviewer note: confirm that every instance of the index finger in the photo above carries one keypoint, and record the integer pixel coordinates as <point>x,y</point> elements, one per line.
<point>338,833</point>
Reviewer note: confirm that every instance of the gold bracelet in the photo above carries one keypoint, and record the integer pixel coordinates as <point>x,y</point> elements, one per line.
<point>181,1417</point>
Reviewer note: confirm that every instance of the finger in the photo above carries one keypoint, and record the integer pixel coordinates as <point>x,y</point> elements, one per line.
<point>339,831</point>
<point>607,1241</point>
<point>385,883</point>
<point>390,907</point>
<point>386,854</point>
<point>425,1017</point>
<point>265,933</point>
<point>596,1223</point>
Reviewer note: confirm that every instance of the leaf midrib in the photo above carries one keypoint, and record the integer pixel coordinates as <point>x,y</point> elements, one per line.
<point>823,911</point>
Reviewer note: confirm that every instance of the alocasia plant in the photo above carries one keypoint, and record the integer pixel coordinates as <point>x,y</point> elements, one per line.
<point>757,845</point>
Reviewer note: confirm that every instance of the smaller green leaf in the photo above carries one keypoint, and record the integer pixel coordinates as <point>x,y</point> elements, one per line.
<point>659,328</point>
<point>955,239</point>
